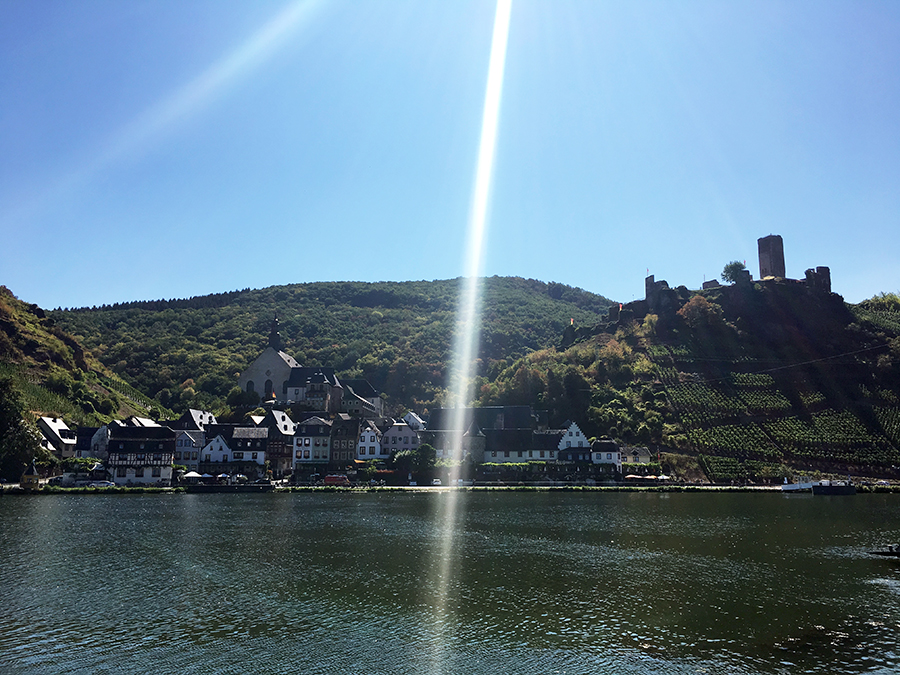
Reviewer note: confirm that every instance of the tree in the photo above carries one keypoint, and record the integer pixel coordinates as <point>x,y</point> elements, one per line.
<point>698,312</point>
<point>732,271</point>
<point>18,439</point>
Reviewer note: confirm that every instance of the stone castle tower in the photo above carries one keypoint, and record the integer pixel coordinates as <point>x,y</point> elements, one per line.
<point>771,256</point>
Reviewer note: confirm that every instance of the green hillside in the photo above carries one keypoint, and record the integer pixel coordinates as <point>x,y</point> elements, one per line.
<point>55,375</point>
<point>44,371</point>
<point>748,380</point>
<point>188,353</point>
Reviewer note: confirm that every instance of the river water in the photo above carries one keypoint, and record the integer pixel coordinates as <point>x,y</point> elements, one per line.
<point>558,582</point>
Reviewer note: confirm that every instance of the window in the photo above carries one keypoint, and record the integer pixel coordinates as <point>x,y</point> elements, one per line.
<point>142,446</point>
<point>207,458</point>
<point>255,454</point>
<point>531,453</point>
<point>306,441</point>
<point>157,472</point>
<point>177,455</point>
<point>570,433</point>
<point>306,454</point>
<point>520,453</point>
<point>239,455</point>
<point>224,458</point>
<point>120,472</point>
<point>568,444</point>
<point>299,454</point>
<point>157,457</point>
<point>506,453</point>
<point>139,473</point>
<point>608,455</point>
<point>372,451</point>
<point>193,455</point>
<point>542,453</point>
<point>493,453</point>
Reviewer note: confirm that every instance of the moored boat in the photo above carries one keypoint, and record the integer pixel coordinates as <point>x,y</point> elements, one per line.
<point>831,487</point>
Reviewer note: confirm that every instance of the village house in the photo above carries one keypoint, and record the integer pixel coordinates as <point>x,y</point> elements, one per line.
<point>192,420</point>
<point>361,399</point>
<point>187,448</point>
<point>141,455</point>
<point>399,437</point>
<point>369,444</point>
<point>344,432</point>
<point>281,440</point>
<point>234,450</point>
<point>606,451</point>
<point>59,438</point>
<point>636,455</point>
<point>312,442</point>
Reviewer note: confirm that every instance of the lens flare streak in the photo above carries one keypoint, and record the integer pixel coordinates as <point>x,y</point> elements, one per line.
<point>468,327</point>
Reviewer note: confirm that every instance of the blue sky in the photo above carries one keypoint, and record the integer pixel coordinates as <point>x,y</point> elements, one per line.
<point>153,149</point>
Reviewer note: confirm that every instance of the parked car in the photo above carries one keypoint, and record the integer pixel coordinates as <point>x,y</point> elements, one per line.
<point>101,484</point>
<point>436,481</point>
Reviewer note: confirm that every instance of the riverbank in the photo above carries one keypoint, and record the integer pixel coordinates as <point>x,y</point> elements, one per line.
<point>53,490</point>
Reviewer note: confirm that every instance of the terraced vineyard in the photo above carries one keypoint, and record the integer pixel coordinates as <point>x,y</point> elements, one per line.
<point>770,404</point>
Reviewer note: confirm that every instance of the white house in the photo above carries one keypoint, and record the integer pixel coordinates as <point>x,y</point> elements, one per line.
<point>415,422</point>
<point>242,453</point>
<point>369,444</point>
<point>58,435</point>
<point>573,438</point>
<point>606,451</point>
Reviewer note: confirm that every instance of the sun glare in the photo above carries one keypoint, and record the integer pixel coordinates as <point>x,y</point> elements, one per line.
<point>468,325</point>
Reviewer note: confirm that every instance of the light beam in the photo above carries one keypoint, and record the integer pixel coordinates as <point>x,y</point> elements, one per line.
<point>468,326</point>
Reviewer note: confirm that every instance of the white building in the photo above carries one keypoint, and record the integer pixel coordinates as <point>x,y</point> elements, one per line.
<point>573,438</point>
<point>369,444</point>
<point>415,422</point>
<point>57,434</point>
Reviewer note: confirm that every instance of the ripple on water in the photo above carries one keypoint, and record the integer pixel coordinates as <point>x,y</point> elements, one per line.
<point>541,583</point>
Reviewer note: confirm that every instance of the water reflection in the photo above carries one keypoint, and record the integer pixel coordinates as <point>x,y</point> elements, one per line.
<point>623,583</point>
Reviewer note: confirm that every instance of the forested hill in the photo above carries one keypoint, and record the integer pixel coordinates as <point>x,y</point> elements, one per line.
<point>398,335</point>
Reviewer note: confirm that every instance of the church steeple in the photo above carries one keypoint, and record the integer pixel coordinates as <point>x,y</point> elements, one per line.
<point>274,335</point>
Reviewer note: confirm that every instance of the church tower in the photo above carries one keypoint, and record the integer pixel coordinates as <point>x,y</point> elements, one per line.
<point>274,335</point>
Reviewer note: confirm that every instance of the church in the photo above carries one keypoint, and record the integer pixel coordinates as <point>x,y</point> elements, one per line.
<point>277,377</point>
